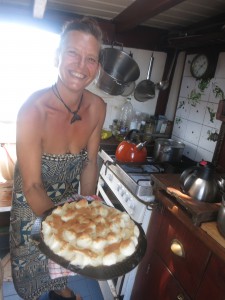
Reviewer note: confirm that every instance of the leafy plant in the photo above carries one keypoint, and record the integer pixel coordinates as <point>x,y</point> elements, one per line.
<point>218,92</point>
<point>211,113</point>
<point>203,84</point>
<point>194,97</point>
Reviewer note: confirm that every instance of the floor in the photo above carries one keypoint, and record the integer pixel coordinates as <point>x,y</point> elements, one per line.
<point>87,288</point>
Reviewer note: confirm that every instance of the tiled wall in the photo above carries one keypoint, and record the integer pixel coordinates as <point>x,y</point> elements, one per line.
<point>195,121</point>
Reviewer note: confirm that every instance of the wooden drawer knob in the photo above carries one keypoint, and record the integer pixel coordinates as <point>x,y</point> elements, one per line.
<point>177,248</point>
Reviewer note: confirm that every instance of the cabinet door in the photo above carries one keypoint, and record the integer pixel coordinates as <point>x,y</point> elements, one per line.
<point>141,283</point>
<point>189,268</point>
<point>213,283</point>
<point>161,284</point>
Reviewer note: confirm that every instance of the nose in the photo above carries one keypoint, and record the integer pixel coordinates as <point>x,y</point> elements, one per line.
<point>80,61</point>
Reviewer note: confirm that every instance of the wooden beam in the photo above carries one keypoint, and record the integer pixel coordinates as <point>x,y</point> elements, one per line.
<point>140,11</point>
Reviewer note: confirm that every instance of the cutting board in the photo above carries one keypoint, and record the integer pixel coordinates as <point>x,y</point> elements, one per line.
<point>198,211</point>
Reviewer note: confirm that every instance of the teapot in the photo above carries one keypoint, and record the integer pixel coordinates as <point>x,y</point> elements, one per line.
<point>129,151</point>
<point>200,183</point>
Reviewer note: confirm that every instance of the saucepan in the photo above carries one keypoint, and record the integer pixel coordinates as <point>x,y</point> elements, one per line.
<point>145,89</point>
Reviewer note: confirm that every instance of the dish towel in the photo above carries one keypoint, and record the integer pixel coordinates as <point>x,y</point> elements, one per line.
<point>56,270</point>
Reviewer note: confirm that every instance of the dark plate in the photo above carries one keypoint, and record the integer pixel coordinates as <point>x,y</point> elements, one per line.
<point>100,272</point>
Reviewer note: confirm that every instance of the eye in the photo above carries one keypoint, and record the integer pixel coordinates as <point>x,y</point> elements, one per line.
<point>92,60</point>
<point>71,52</point>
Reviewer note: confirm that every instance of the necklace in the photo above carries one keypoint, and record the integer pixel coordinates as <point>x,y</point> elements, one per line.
<point>75,117</point>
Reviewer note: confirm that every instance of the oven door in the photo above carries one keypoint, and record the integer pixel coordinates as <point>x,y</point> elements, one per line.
<point>106,194</point>
<point>111,289</point>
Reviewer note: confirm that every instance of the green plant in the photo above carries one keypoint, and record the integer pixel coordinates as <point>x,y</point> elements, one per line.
<point>194,97</point>
<point>203,84</point>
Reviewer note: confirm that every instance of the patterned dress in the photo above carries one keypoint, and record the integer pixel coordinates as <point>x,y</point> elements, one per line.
<point>60,175</point>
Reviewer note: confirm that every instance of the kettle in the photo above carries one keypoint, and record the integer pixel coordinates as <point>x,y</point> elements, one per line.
<point>129,151</point>
<point>200,183</point>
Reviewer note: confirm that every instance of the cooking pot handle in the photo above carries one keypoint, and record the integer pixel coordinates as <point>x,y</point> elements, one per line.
<point>166,149</point>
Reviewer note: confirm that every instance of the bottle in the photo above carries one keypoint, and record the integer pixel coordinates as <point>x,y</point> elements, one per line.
<point>126,116</point>
<point>134,122</point>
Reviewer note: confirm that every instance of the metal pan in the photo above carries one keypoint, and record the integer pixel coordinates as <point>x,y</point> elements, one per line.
<point>100,272</point>
<point>145,89</point>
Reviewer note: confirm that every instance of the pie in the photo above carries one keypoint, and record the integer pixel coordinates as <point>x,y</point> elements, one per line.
<point>90,233</point>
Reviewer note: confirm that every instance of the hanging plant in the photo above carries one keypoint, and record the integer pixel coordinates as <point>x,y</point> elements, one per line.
<point>203,84</point>
<point>218,92</point>
<point>194,98</point>
<point>212,114</point>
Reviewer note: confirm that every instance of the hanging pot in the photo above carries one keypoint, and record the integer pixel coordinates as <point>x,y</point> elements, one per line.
<point>200,182</point>
<point>130,152</point>
<point>117,70</point>
<point>145,89</point>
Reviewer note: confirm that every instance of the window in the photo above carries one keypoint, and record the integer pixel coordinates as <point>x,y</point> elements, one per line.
<point>26,65</point>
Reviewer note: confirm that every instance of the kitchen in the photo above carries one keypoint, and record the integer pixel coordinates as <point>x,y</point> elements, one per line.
<point>196,149</point>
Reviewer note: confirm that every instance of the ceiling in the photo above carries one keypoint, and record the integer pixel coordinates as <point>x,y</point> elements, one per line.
<point>184,19</point>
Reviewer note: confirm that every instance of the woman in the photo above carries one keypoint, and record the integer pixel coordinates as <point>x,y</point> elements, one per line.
<point>58,136</point>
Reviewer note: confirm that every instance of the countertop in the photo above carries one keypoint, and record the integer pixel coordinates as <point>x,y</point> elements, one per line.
<point>192,213</point>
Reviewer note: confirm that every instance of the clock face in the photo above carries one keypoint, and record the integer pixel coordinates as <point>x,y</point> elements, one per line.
<point>199,66</point>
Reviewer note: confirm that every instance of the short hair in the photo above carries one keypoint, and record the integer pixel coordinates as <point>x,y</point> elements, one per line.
<point>86,24</point>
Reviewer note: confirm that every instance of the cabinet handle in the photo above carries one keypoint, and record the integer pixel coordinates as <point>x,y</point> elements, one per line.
<point>177,248</point>
<point>148,268</point>
<point>180,297</point>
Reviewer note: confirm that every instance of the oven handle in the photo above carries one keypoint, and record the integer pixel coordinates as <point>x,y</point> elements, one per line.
<point>150,204</point>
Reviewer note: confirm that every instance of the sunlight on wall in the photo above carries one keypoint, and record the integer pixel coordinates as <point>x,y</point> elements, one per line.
<point>26,65</point>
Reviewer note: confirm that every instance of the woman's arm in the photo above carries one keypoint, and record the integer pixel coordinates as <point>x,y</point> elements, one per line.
<point>29,151</point>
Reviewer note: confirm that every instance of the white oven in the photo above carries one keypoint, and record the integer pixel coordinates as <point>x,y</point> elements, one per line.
<point>115,193</point>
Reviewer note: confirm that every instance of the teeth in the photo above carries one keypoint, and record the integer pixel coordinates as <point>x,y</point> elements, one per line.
<point>78,75</point>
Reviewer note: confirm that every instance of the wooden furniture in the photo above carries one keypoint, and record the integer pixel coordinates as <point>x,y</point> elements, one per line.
<point>185,259</point>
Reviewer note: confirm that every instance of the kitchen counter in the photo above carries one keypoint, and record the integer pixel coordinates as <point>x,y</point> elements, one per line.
<point>199,217</point>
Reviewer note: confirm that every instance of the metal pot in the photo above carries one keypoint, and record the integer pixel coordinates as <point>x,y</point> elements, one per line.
<point>168,150</point>
<point>118,69</point>
<point>200,182</point>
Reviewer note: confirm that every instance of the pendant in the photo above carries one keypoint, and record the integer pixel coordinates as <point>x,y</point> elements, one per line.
<point>75,118</point>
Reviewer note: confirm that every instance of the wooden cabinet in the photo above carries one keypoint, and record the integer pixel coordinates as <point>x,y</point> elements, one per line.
<point>184,254</point>
<point>213,282</point>
<point>178,264</point>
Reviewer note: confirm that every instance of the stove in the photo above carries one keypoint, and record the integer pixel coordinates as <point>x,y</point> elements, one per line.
<point>128,187</point>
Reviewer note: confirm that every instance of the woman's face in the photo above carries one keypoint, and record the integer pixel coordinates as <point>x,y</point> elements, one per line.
<point>78,60</point>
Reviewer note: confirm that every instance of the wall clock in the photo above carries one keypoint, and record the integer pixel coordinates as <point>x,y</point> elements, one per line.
<point>203,66</point>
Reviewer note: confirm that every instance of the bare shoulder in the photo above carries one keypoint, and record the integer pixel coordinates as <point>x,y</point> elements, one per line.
<point>33,106</point>
<point>94,100</point>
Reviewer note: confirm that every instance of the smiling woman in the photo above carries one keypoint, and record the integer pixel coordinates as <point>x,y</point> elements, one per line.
<point>24,53</point>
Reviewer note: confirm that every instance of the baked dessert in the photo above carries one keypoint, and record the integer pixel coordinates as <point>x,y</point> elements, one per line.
<point>90,233</point>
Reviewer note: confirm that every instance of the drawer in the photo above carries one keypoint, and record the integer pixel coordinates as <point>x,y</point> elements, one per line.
<point>213,283</point>
<point>189,268</point>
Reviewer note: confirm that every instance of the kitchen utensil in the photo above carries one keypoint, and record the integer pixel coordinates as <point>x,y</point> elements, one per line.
<point>145,89</point>
<point>200,182</point>
<point>100,272</point>
<point>118,69</point>
<point>129,151</point>
<point>163,85</point>
<point>129,88</point>
<point>168,150</point>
